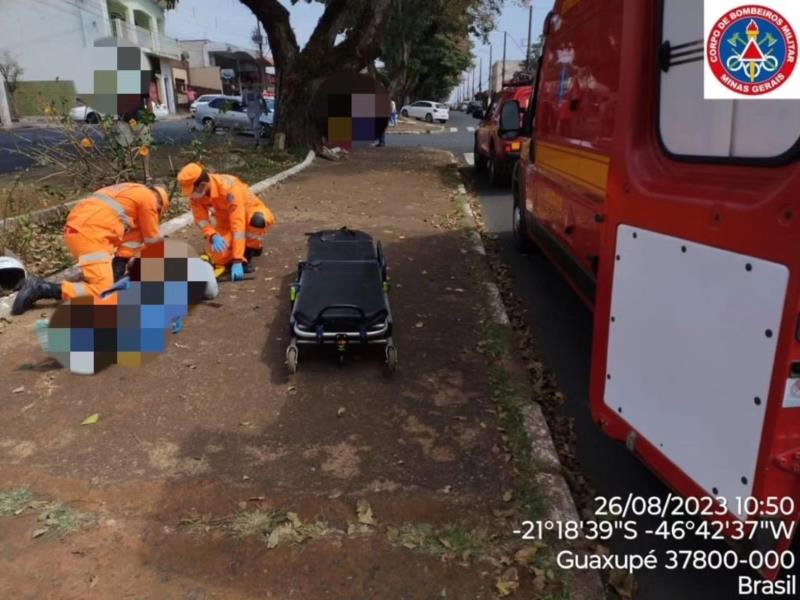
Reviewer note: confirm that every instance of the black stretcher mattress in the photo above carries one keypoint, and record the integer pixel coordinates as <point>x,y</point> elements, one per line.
<point>345,244</point>
<point>326,283</point>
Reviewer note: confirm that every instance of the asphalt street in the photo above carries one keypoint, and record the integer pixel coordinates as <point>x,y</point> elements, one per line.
<point>563,329</point>
<point>167,132</point>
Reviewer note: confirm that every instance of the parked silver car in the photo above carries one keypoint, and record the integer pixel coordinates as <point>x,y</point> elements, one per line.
<point>228,112</point>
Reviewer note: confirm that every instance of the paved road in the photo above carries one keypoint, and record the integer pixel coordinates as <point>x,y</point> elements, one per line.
<point>168,132</point>
<point>563,328</point>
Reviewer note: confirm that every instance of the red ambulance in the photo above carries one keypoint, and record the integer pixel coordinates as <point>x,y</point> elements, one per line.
<point>677,221</point>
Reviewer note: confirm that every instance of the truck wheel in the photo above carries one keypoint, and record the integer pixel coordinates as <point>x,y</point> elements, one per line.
<point>208,125</point>
<point>480,159</point>
<point>429,118</point>
<point>92,118</point>
<point>496,170</point>
<point>522,241</point>
<point>404,113</point>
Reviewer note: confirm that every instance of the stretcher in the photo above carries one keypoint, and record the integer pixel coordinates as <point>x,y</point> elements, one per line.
<point>340,296</point>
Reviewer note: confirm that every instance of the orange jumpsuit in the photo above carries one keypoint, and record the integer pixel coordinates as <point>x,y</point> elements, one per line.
<point>233,206</point>
<point>97,226</point>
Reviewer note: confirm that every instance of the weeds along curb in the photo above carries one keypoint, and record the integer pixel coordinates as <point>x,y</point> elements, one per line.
<point>170,227</point>
<point>542,447</point>
<point>527,428</point>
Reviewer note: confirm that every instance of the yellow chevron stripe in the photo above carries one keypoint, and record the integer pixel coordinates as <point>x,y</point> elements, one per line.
<point>585,169</point>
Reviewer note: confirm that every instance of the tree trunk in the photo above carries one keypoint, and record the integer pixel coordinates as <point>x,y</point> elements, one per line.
<point>296,118</point>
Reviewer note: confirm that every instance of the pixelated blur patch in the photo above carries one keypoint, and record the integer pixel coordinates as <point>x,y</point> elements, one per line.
<point>121,78</point>
<point>340,129</point>
<point>105,82</point>
<point>129,59</point>
<point>351,107</point>
<point>131,326</point>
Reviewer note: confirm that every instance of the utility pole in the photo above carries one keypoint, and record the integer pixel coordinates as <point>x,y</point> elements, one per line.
<point>491,73</point>
<point>480,75</point>
<point>5,109</point>
<point>503,78</point>
<point>473,81</point>
<point>530,27</point>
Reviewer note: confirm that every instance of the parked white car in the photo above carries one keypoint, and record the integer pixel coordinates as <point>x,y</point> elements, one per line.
<point>85,113</point>
<point>205,99</point>
<point>424,109</point>
<point>227,112</point>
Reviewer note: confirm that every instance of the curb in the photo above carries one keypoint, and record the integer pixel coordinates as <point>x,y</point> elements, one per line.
<point>429,132</point>
<point>171,226</point>
<point>562,507</point>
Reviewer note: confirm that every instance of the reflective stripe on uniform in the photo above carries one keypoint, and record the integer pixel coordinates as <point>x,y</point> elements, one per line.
<point>203,224</point>
<point>116,207</point>
<point>253,236</point>
<point>93,257</point>
<point>80,290</point>
<point>154,240</point>
<point>238,235</point>
<point>120,187</point>
<point>132,245</point>
<point>228,181</point>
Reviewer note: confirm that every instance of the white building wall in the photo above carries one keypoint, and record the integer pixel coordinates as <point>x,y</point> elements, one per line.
<point>54,39</point>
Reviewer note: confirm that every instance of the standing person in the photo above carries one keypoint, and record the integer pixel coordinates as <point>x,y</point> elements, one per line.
<point>95,230</point>
<point>240,218</point>
<point>254,110</point>
<point>393,114</point>
<point>191,94</point>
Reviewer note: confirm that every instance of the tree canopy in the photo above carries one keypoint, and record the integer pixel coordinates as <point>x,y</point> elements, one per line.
<point>424,46</point>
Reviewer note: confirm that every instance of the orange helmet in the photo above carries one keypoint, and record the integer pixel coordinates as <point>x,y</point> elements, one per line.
<point>188,176</point>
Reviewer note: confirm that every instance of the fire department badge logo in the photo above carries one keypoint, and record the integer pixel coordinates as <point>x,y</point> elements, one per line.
<point>752,50</point>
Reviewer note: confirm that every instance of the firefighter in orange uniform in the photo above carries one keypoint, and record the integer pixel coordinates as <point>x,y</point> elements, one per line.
<point>95,229</point>
<point>240,218</point>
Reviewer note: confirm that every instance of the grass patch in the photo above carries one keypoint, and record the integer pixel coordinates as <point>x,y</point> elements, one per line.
<point>507,394</point>
<point>493,339</point>
<point>60,521</point>
<point>451,539</point>
<point>13,502</point>
<point>277,527</point>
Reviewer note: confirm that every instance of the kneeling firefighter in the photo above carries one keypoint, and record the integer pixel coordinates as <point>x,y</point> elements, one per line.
<point>240,217</point>
<point>95,230</point>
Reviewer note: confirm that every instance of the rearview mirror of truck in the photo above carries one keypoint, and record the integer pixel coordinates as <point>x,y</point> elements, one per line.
<point>510,118</point>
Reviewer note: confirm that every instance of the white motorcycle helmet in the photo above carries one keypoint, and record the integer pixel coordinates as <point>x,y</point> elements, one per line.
<point>12,273</point>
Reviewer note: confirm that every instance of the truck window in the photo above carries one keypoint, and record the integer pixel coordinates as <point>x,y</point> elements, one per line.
<point>694,128</point>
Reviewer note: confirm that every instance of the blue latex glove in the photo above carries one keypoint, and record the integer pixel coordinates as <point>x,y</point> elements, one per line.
<point>122,284</point>
<point>177,325</point>
<point>218,243</point>
<point>237,272</point>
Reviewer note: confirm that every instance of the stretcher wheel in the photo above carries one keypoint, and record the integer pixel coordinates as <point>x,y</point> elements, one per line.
<point>391,358</point>
<point>292,358</point>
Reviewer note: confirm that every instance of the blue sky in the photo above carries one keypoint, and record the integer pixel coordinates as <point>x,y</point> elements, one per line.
<point>230,21</point>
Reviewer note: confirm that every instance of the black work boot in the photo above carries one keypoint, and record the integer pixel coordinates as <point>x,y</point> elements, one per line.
<point>32,290</point>
<point>119,266</point>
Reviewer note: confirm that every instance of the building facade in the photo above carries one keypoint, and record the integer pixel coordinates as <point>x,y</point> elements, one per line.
<point>56,43</point>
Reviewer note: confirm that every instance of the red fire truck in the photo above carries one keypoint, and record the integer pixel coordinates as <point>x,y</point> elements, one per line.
<point>677,221</point>
<point>497,149</point>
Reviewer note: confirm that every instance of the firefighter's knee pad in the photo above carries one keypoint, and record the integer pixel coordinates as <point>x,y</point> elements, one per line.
<point>258,221</point>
